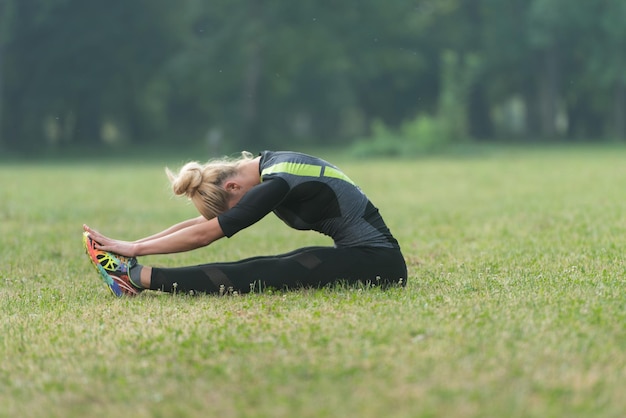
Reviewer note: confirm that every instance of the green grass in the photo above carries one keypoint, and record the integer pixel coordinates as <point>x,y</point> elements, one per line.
<point>515,305</point>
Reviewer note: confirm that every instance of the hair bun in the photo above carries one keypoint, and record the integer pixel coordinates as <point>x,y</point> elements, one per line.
<point>188,180</point>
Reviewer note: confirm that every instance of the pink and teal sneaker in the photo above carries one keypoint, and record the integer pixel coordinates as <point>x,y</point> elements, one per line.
<point>113,268</point>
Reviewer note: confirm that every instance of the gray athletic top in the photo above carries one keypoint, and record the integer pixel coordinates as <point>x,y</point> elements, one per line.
<point>308,193</point>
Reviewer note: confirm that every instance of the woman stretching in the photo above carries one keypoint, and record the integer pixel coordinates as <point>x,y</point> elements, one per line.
<point>306,192</point>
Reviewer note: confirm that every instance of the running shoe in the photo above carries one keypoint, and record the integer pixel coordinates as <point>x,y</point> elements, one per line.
<point>113,268</point>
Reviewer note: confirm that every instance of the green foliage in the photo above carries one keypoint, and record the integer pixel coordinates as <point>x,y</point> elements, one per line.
<point>425,133</point>
<point>273,73</point>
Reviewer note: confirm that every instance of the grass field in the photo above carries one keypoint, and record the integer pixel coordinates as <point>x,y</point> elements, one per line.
<point>515,305</point>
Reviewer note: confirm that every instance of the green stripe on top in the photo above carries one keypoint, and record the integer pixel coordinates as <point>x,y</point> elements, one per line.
<point>297,169</point>
<point>334,173</point>
<point>305,170</point>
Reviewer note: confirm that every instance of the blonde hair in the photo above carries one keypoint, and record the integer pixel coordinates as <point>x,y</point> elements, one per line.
<point>203,183</point>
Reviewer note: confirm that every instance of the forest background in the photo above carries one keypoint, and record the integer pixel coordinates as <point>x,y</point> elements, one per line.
<point>395,77</point>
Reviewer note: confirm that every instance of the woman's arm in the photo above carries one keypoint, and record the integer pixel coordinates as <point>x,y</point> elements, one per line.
<point>196,235</point>
<point>177,239</point>
<point>174,228</point>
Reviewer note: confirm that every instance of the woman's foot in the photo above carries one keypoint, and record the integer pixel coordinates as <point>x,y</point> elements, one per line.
<point>113,268</point>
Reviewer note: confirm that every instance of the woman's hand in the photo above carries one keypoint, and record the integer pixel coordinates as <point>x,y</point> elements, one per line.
<point>105,243</point>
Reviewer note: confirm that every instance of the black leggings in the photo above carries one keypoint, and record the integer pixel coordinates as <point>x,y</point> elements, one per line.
<point>305,267</point>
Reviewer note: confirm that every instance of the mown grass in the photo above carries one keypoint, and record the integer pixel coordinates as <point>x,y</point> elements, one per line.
<point>514,307</point>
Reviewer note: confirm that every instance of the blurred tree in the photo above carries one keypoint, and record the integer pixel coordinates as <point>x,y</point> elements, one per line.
<point>463,90</point>
<point>606,63</point>
<point>17,116</point>
<point>267,72</point>
<point>75,63</point>
<point>303,70</point>
<point>583,50</point>
<point>548,37</point>
<point>7,10</point>
<point>502,44</point>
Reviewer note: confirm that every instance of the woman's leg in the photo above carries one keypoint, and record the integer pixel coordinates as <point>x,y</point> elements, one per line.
<point>306,267</point>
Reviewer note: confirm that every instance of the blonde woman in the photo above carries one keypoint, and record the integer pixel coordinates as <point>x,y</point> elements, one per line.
<point>306,192</point>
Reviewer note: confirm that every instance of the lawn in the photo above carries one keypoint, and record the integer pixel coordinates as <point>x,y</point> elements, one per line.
<point>515,304</point>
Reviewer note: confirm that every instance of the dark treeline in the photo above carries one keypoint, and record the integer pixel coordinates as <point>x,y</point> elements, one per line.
<point>274,72</point>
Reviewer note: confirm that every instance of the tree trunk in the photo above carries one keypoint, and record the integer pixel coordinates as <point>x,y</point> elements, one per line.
<point>584,122</point>
<point>480,125</point>
<point>548,93</point>
<point>251,126</point>
<point>619,108</point>
<point>250,94</point>
<point>88,124</point>
<point>1,98</point>
<point>532,126</point>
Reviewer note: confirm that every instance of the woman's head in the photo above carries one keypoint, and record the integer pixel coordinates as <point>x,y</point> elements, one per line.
<point>203,184</point>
